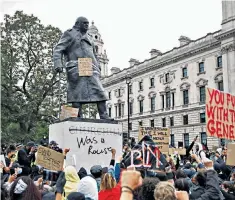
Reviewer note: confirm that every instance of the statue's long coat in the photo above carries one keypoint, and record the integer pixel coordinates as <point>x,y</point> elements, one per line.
<point>74,45</point>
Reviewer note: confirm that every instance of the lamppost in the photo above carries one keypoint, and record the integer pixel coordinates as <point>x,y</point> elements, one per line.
<point>128,82</point>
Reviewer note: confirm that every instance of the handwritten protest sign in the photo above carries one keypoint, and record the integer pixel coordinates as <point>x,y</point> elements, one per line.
<point>230,154</point>
<point>49,159</point>
<point>160,136</point>
<point>85,67</point>
<point>220,114</point>
<point>90,143</point>
<point>67,112</point>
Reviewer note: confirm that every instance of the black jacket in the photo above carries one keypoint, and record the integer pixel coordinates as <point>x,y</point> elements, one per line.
<point>228,196</point>
<point>25,159</point>
<point>196,192</point>
<point>212,190</point>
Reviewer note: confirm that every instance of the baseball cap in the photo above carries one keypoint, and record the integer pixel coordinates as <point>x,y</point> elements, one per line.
<point>30,144</point>
<point>53,142</point>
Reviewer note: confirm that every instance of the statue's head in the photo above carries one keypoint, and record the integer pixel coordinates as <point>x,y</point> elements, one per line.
<point>82,24</point>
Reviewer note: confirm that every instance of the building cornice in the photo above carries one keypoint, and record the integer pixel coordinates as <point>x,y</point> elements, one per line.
<point>224,35</point>
<point>227,48</point>
<point>167,113</point>
<point>201,45</point>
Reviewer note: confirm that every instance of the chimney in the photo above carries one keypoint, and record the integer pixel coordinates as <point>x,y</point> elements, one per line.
<point>133,61</point>
<point>184,40</point>
<point>155,53</point>
<point>115,70</point>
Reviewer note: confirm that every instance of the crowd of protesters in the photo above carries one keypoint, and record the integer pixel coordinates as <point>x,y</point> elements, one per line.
<point>198,175</point>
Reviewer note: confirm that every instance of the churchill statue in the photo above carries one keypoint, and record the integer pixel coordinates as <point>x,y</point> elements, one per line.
<point>73,45</point>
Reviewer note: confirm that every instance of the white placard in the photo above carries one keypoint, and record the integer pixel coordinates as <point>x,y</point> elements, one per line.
<point>90,143</point>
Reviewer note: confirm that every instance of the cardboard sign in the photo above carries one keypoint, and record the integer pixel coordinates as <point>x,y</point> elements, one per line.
<point>49,159</point>
<point>67,112</point>
<point>181,151</point>
<point>230,154</point>
<point>85,67</point>
<point>160,136</point>
<point>220,114</point>
<point>90,143</point>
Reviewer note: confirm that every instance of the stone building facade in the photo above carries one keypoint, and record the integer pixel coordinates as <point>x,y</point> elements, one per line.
<point>169,88</point>
<point>100,52</point>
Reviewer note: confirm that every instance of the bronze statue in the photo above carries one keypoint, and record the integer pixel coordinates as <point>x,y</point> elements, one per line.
<point>75,43</point>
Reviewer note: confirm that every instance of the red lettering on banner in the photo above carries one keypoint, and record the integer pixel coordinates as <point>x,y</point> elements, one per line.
<point>220,114</point>
<point>233,101</point>
<point>225,130</point>
<point>219,97</point>
<point>210,111</point>
<point>211,95</point>
<point>232,112</point>
<point>218,129</point>
<point>231,131</point>
<point>225,118</point>
<point>230,99</point>
<point>210,127</point>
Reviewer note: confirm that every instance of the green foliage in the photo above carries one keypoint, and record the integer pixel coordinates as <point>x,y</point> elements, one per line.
<point>90,110</point>
<point>29,86</point>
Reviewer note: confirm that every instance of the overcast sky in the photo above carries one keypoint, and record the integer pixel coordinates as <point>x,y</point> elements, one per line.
<point>129,28</point>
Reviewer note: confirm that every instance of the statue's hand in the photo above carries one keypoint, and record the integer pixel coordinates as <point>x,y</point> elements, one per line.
<point>59,69</point>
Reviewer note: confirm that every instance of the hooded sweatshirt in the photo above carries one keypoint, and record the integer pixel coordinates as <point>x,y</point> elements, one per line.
<point>88,187</point>
<point>82,173</point>
<point>72,180</point>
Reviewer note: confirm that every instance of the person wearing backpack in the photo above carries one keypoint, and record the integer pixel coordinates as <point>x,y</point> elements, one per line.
<point>200,152</point>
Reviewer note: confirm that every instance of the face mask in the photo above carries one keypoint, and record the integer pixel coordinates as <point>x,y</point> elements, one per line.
<point>19,170</point>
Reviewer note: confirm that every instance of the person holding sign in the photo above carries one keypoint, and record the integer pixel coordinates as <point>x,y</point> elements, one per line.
<point>83,70</point>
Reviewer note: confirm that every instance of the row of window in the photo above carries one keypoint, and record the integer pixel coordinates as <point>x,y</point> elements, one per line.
<point>202,93</point>
<point>166,103</point>
<point>185,121</point>
<point>203,137</point>
<point>201,69</point>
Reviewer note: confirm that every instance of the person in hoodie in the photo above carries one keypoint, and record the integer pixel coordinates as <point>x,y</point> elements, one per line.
<point>88,187</point>
<point>82,173</point>
<point>72,180</point>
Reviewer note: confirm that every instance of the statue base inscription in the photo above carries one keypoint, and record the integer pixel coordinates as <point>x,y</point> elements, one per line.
<point>90,141</point>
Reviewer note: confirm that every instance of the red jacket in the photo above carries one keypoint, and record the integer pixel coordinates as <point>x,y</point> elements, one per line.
<point>113,194</point>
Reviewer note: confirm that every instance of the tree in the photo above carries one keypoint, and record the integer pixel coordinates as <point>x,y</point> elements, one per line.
<point>90,111</point>
<point>30,91</point>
